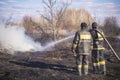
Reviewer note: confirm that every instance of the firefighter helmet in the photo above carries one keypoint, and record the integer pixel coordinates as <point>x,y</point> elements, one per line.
<point>94,25</point>
<point>83,25</point>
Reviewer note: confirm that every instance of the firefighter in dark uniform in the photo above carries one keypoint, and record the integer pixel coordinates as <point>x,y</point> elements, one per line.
<point>97,51</point>
<point>81,48</point>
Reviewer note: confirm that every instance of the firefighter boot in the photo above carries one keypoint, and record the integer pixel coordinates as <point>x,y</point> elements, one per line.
<point>95,68</point>
<point>85,69</point>
<point>103,67</point>
<point>98,68</point>
<point>80,69</point>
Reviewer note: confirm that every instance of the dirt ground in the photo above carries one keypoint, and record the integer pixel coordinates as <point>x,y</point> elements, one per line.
<point>50,65</point>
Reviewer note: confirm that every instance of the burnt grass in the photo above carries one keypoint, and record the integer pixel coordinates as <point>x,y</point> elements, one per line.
<point>52,65</point>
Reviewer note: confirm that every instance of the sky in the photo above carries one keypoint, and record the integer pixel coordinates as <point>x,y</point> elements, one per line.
<point>19,8</point>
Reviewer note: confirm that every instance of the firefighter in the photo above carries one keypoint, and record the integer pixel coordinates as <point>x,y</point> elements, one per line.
<point>97,51</point>
<point>81,48</point>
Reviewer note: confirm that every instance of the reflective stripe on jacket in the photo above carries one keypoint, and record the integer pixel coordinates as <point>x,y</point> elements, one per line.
<point>82,42</point>
<point>97,40</point>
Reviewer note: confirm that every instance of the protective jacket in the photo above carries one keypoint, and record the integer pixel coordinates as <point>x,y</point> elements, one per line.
<point>82,42</point>
<point>97,39</point>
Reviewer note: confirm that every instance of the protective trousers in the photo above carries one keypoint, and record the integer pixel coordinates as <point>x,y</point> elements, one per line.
<point>82,64</point>
<point>98,61</point>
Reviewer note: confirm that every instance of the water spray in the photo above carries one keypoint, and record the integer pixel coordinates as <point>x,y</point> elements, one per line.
<point>56,42</point>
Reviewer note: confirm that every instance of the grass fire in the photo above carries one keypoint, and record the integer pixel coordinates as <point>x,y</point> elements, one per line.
<point>36,39</point>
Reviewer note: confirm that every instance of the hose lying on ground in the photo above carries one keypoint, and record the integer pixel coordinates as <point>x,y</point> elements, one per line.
<point>109,45</point>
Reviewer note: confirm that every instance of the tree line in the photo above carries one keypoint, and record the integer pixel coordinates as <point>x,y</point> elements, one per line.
<point>58,20</point>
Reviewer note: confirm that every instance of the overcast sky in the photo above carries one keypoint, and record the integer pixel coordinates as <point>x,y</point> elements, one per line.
<point>19,8</point>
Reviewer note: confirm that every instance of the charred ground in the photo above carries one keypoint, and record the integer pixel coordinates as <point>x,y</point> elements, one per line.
<point>53,65</point>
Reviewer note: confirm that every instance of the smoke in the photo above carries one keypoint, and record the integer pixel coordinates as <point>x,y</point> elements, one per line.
<point>14,38</point>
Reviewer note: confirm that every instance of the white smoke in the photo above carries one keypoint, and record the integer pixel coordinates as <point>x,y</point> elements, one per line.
<point>14,38</point>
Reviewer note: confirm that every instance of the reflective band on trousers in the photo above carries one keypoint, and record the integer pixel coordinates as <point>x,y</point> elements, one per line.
<point>79,66</point>
<point>85,66</point>
<point>102,62</point>
<point>96,64</point>
<point>85,36</point>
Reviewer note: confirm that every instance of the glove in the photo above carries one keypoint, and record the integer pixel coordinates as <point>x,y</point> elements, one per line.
<point>74,53</point>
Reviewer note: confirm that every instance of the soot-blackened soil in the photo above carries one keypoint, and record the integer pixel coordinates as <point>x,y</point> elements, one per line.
<point>49,65</point>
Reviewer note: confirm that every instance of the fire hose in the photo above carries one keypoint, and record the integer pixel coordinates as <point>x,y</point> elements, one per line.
<point>109,45</point>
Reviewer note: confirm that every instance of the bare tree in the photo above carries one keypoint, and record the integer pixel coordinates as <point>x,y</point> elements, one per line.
<point>111,27</point>
<point>54,15</point>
